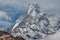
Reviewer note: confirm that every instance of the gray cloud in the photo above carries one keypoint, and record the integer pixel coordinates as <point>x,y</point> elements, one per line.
<point>23,3</point>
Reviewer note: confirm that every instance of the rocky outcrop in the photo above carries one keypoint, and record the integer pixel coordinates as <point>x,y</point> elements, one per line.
<point>7,36</point>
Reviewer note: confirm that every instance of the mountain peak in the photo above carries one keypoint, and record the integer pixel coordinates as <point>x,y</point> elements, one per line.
<point>34,10</point>
<point>34,7</point>
<point>35,25</point>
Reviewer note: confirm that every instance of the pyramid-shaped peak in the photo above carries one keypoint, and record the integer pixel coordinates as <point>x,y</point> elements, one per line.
<point>34,7</point>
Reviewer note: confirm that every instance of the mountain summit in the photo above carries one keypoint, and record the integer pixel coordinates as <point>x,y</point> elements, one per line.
<point>35,25</point>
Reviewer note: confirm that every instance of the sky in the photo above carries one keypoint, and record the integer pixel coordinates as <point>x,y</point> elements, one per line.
<point>10,10</point>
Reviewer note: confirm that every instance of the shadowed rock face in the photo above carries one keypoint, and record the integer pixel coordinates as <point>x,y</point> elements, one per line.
<point>7,36</point>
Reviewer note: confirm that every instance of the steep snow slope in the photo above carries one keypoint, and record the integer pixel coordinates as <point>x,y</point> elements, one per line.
<point>35,25</point>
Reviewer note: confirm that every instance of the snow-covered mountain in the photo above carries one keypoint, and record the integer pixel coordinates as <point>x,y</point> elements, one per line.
<point>35,25</point>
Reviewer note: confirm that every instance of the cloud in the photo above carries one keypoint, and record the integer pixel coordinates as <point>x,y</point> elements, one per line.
<point>56,36</point>
<point>13,3</point>
<point>23,3</point>
<point>5,23</point>
<point>3,15</point>
<point>13,7</point>
<point>4,20</point>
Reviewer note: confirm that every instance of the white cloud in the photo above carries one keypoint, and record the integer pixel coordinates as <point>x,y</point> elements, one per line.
<point>13,3</point>
<point>56,36</point>
<point>18,4</point>
<point>4,20</point>
<point>3,15</point>
<point>23,3</point>
<point>5,23</point>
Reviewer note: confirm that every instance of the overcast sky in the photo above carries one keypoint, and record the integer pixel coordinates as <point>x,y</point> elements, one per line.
<point>11,9</point>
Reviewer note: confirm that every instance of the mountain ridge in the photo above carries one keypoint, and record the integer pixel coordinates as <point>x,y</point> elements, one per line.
<point>35,25</point>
